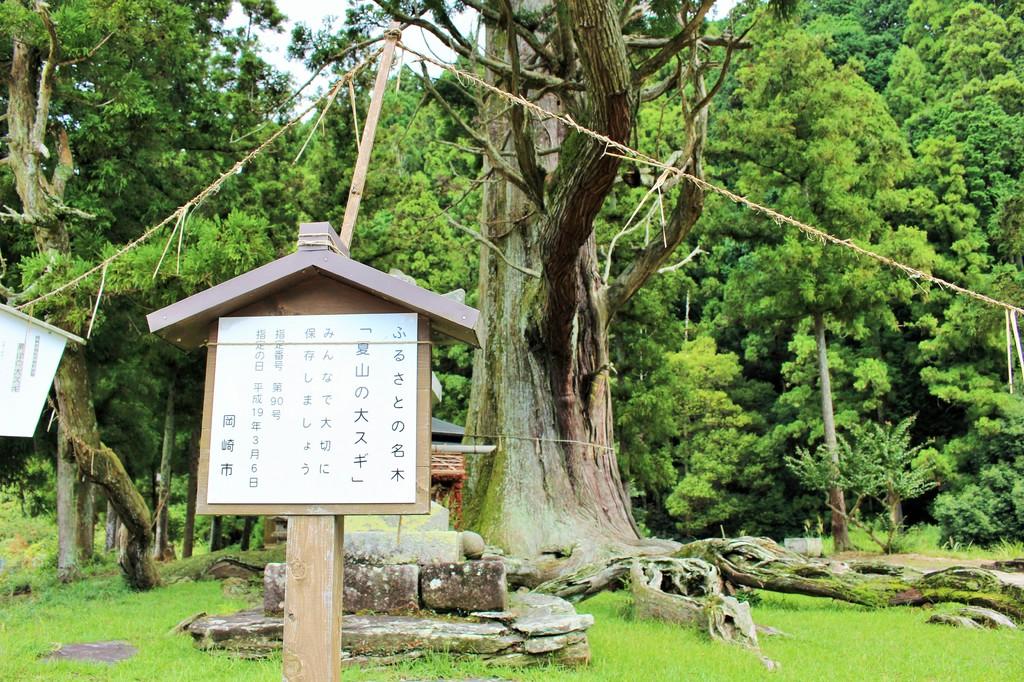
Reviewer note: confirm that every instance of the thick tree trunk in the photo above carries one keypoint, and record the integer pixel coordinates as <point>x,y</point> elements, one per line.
<point>190,504</point>
<point>162,545</point>
<point>85,518</point>
<point>67,510</point>
<point>538,491</point>
<point>540,386</point>
<point>837,501</point>
<point>540,383</point>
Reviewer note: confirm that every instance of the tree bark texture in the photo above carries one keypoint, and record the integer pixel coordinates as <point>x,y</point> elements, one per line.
<point>162,547</point>
<point>247,526</point>
<point>102,466</point>
<point>836,499</point>
<point>540,388</point>
<point>215,534</point>
<point>85,517</point>
<point>67,510</point>
<point>30,89</point>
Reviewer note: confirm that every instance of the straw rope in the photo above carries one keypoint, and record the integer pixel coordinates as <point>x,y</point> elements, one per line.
<point>178,214</point>
<point>629,153</point>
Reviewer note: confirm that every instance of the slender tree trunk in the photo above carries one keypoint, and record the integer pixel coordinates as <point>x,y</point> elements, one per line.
<point>190,505</point>
<point>112,524</point>
<point>162,544</point>
<point>250,521</point>
<point>85,518</point>
<point>840,530</point>
<point>215,538</point>
<point>67,509</point>
<point>895,509</point>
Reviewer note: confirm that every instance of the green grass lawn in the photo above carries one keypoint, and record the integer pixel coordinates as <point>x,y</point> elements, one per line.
<point>827,641</point>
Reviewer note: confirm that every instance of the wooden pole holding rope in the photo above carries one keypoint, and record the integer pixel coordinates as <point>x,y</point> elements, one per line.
<point>355,193</point>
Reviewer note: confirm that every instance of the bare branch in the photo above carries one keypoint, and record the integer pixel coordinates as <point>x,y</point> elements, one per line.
<point>650,43</point>
<point>658,89</point>
<point>673,46</point>
<point>672,268</point>
<point>704,101</point>
<point>539,48</point>
<point>521,133</point>
<point>494,154</point>
<point>45,81</point>
<point>492,246</point>
<point>649,260</point>
<point>530,77</point>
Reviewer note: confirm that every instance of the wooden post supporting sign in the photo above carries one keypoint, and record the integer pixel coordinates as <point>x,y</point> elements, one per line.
<point>313,593</point>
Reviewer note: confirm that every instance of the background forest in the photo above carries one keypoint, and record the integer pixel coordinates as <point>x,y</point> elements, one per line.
<point>895,123</point>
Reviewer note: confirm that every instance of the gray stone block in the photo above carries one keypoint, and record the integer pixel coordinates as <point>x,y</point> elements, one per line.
<point>805,546</point>
<point>378,589</point>
<point>391,589</point>
<point>544,626</point>
<point>465,586</point>
<point>392,634</point>
<point>381,589</point>
<point>273,589</point>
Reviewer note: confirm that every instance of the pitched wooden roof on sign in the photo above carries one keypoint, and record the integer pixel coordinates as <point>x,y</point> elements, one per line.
<point>186,323</point>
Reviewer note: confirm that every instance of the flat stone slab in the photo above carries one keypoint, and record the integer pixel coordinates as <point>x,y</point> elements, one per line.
<point>96,652</point>
<point>544,615</point>
<point>382,639</point>
<point>391,547</point>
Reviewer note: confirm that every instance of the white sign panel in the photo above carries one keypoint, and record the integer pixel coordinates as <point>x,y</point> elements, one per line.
<point>29,355</point>
<point>314,409</point>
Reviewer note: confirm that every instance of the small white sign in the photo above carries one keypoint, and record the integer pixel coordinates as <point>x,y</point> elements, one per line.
<point>314,409</point>
<point>29,354</point>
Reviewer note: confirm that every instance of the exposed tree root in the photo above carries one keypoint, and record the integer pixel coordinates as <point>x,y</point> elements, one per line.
<point>693,586</point>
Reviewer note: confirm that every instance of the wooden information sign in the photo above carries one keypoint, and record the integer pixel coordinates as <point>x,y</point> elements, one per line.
<point>317,405</point>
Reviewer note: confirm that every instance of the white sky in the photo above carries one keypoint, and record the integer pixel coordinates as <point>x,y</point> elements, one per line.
<point>314,12</point>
